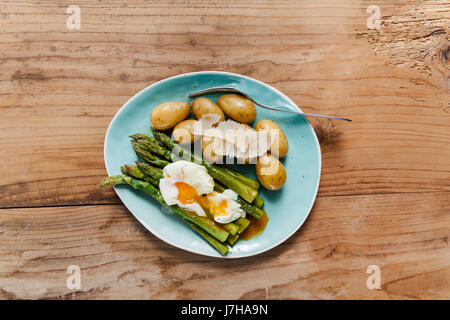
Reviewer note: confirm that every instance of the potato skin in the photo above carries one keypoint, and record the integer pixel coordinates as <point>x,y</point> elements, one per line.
<point>237,108</point>
<point>280,145</point>
<point>202,106</point>
<point>167,115</point>
<point>183,132</point>
<point>270,172</point>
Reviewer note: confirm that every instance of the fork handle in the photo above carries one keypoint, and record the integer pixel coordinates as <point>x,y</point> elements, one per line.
<point>310,114</point>
<point>324,116</point>
<point>212,90</point>
<point>231,89</point>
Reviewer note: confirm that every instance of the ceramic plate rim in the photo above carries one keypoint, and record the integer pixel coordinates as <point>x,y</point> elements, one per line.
<point>152,230</point>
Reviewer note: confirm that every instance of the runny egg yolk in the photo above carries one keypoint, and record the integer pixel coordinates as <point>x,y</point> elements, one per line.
<point>220,209</point>
<point>188,194</point>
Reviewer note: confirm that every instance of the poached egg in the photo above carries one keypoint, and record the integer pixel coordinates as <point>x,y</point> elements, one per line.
<point>189,186</point>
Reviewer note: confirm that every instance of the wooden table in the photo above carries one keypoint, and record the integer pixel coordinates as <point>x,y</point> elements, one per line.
<point>384,196</point>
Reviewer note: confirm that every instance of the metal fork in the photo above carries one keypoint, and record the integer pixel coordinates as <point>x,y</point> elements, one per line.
<point>231,89</point>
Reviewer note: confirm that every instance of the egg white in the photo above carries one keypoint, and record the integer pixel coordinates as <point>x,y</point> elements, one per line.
<point>190,173</point>
<point>233,209</point>
<point>198,178</point>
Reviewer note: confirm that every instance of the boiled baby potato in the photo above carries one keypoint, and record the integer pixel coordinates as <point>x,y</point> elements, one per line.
<point>279,146</point>
<point>167,115</point>
<point>270,172</point>
<point>237,108</point>
<point>202,106</point>
<point>183,133</point>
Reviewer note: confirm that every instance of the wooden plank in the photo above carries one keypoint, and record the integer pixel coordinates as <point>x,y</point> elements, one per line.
<point>384,195</point>
<point>406,235</point>
<point>60,88</point>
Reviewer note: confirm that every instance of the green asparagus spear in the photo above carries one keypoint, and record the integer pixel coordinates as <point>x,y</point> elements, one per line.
<point>134,172</point>
<point>148,157</point>
<point>247,207</point>
<point>154,148</point>
<point>222,248</point>
<point>230,227</point>
<point>203,222</point>
<point>246,192</point>
<point>258,202</point>
<point>156,174</point>
<point>112,181</point>
<point>243,224</point>
<point>252,210</point>
<point>153,172</point>
<point>232,239</point>
<point>149,138</point>
<point>248,181</point>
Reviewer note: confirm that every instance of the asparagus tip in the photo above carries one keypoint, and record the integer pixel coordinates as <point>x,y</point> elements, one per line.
<point>112,181</point>
<point>107,182</point>
<point>136,136</point>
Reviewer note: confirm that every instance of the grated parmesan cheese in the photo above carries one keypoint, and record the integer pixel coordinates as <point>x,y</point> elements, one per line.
<point>232,139</point>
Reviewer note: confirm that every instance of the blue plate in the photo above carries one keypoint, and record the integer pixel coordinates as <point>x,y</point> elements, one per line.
<point>287,208</point>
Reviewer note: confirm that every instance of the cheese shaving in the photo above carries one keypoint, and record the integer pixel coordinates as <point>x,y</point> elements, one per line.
<point>232,139</point>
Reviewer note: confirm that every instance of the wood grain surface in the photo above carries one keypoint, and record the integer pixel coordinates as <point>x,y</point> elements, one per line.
<point>384,195</point>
